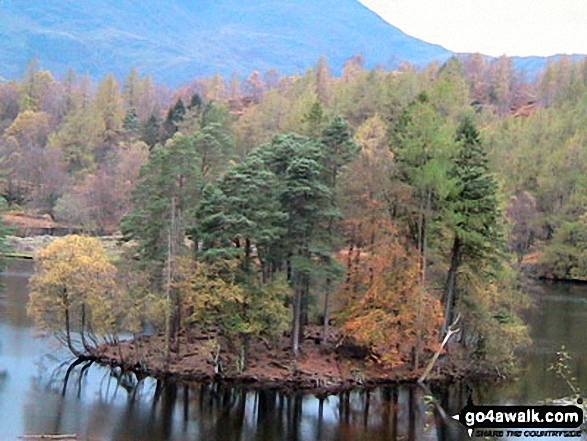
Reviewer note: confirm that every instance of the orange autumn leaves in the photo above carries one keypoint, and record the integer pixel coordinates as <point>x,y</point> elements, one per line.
<point>387,306</point>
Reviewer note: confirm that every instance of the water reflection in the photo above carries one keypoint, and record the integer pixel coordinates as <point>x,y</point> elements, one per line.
<point>101,404</point>
<point>155,411</point>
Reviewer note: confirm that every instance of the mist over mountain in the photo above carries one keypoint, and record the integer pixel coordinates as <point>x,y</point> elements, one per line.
<point>177,41</point>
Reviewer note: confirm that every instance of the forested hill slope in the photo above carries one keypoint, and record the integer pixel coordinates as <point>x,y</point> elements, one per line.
<point>177,41</point>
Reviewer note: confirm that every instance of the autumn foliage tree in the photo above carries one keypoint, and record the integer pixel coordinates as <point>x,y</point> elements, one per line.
<point>218,296</point>
<point>74,290</point>
<point>387,309</point>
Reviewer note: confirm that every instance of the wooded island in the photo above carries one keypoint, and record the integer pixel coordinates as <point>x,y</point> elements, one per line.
<point>304,230</point>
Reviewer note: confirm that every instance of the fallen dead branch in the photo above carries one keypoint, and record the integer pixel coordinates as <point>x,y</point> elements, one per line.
<point>449,334</point>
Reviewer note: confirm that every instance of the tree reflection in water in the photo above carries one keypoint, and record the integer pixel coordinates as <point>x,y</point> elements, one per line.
<point>146,409</point>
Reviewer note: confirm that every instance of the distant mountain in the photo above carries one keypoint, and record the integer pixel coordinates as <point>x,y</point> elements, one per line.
<point>176,41</point>
<point>533,65</point>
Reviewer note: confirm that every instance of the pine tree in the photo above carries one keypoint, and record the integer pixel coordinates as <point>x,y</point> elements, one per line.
<point>151,131</point>
<point>242,209</point>
<point>168,189</point>
<point>472,212</point>
<point>172,173</point>
<point>338,149</point>
<point>279,203</point>
<point>175,116</point>
<point>314,120</point>
<point>196,102</point>
<point>131,123</point>
<point>308,203</point>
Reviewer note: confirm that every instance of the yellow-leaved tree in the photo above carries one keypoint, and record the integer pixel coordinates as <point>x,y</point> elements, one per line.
<point>74,291</point>
<point>216,297</point>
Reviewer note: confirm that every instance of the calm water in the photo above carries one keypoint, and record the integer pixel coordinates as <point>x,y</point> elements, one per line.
<point>97,406</point>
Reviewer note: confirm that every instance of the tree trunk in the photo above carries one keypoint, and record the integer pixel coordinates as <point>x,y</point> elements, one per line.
<point>326,313</point>
<point>295,333</point>
<point>247,253</point>
<point>288,268</point>
<point>68,325</point>
<point>83,330</point>
<point>265,267</point>
<point>423,248</point>
<point>451,283</point>
<point>349,262</point>
<point>169,322</point>
<point>304,304</point>
<point>68,334</point>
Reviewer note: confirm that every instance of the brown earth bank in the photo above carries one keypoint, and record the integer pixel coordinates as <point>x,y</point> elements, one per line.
<point>23,220</point>
<point>317,369</point>
<point>27,224</point>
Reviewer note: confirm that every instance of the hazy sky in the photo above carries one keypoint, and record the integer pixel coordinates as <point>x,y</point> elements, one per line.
<point>492,27</point>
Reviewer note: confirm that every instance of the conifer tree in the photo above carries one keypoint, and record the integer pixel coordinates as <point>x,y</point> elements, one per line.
<point>30,93</point>
<point>132,90</point>
<point>339,149</point>
<point>323,80</point>
<point>110,106</point>
<point>151,131</point>
<point>279,202</point>
<point>422,145</point>
<point>314,120</point>
<point>172,173</point>
<point>175,116</point>
<point>131,123</point>
<point>196,102</point>
<point>472,212</point>
<point>169,188</point>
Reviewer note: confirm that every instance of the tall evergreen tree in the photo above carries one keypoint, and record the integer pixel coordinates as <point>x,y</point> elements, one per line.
<point>169,189</point>
<point>472,211</point>
<point>173,173</point>
<point>422,144</point>
<point>241,211</point>
<point>131,123</point>
<point>151,131</point>
<point>175,116</point>
<point>308,203</point>
<point>196,102</point>
<point>279,202</point>
<point>314,120</point>
<point>338,149</point>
